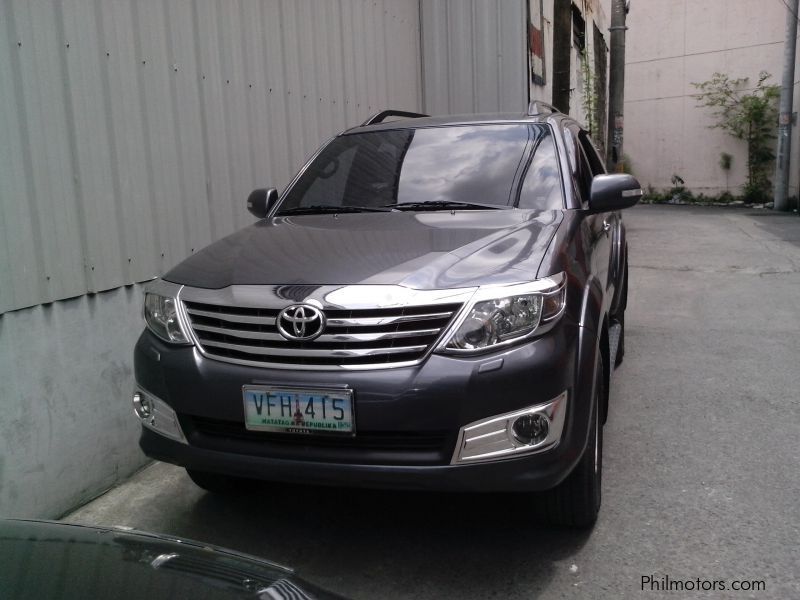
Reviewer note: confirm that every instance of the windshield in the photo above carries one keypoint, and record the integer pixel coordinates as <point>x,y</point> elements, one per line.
<point>489,165</point>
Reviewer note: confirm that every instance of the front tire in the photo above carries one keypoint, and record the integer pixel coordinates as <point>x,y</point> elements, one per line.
<point>575,502</point>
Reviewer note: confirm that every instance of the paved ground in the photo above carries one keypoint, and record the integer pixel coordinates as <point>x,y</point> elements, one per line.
<point>702,463</point>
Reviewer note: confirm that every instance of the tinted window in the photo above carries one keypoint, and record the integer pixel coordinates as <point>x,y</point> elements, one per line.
<point>581,171</point>
<point>591,154</point>
<point>329,185</point>
<point>541,188</point>
<point>480,164</point>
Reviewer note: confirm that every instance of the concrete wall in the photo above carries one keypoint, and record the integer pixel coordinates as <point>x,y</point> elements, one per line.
<point>67,430</point>
<point>672,44</point>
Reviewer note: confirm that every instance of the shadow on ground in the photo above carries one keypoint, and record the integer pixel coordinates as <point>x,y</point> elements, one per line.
<point>456,545</point>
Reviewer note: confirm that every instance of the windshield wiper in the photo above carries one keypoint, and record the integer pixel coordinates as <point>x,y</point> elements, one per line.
<point>328,208</point>
<point>445,205</point>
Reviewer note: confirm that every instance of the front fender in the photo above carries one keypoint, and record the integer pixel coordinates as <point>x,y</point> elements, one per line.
<point>591,315</point>
<point>586,380</point>
<point>619,272</point>
<point>593,319</point>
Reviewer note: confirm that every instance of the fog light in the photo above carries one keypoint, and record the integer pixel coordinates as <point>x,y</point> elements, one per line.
<point>536,428</point>
<point>142,405</point>
<point>157,415</point>
<point>531,429</point>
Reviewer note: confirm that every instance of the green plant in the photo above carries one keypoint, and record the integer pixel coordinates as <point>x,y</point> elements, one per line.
<point>678,191</point>
<point>680,195</point>
<point>725,198</point>
<point>653,196</point>
<point>749,115</point>
<point>725,161</point>
<point>590,98</point>
<point>754,194</point>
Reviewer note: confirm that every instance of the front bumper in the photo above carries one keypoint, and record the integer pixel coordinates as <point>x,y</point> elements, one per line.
<point>407,419</point>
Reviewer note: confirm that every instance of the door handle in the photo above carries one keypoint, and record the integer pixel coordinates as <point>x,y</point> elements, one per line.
<point>606,227</point>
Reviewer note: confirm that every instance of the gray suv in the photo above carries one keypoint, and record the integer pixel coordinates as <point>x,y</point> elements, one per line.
<point>432,303</point>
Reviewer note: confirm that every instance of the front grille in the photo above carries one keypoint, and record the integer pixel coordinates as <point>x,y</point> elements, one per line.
<point>371,337</point>
<point>378,440</point>
<point>366,447</point>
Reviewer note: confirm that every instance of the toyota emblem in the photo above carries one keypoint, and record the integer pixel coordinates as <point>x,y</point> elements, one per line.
<point>300,322</point>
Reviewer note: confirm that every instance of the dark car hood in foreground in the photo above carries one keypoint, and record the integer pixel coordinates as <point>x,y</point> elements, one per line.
<point>50,560</point>
<point>420,250</point>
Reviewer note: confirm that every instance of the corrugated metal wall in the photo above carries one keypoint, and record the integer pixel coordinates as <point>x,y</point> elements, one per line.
<point>475,56</point>
<point>131,132</point>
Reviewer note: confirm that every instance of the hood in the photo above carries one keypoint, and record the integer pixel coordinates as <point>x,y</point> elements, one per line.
<point>419,250</point>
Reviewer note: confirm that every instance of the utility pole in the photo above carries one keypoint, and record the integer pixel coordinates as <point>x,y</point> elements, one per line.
<point>616,85</point>
<point>785,119</point>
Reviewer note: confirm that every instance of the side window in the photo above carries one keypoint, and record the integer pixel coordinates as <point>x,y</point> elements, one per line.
<point>595,162</point>
<point>581,171</point>
<point>541,188</point>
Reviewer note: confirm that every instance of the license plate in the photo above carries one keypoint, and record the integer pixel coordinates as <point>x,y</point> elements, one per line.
<point>286,410</point>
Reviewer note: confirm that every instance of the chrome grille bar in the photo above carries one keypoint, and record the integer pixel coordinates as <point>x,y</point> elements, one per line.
<point>364,321</point>
<point>373,337</point>
<point>255,320</point>
<point>272,351</point>
<point>335,337</point>
<point>240,333</point>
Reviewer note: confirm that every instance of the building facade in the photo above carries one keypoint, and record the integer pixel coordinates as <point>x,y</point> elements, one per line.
<point>568,60</point>
<point>669,47</point>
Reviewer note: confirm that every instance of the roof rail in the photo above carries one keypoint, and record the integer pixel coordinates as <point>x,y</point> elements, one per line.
<point>380,117</point>
<point>536,107</point>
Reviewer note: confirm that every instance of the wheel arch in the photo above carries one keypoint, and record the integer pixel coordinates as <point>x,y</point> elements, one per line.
<point>605,352</point>
<point>594,317</point>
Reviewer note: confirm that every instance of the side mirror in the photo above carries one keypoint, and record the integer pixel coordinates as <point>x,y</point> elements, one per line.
<point>614,192</point>
<point>261,201</point>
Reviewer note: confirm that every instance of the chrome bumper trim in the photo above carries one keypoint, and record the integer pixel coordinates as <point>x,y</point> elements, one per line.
<point>163,420</point>
<point>492,438</point>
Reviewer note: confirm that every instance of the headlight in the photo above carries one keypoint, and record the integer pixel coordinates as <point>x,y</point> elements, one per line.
<point>513,316</point>
<point>161,316</point>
